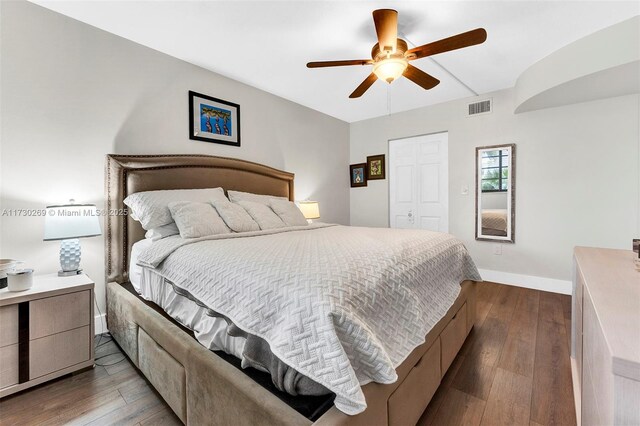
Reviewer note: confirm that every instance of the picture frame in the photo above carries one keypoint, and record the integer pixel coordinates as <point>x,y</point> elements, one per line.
<point>358,175</point>
<point>376,168</point>
<point>213,120</point>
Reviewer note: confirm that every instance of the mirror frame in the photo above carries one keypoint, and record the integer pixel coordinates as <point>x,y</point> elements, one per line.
<point>511,195</point>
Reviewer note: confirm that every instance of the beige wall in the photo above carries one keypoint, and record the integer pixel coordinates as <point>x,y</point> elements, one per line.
<point>577,179</point>
<point>71,93</point>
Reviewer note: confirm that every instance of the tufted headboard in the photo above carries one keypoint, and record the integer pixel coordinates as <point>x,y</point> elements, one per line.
<point>127,174</point>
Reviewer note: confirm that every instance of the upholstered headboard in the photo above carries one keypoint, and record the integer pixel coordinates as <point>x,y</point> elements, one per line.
<point>127,174</point>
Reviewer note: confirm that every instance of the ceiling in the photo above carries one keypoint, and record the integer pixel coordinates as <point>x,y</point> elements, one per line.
<point>266,44</point>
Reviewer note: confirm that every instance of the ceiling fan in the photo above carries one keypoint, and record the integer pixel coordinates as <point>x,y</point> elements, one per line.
<point>390,56</point>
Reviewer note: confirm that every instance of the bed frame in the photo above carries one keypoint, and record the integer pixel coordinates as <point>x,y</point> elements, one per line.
<point>197,384</point>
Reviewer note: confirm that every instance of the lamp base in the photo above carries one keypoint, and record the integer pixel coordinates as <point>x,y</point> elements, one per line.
<point>70,256</point>
<point>69,273</point>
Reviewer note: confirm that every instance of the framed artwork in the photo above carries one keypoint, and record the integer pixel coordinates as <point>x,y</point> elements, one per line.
<point>375,167</point>
<point>213,120</point>
<point>358,175</point>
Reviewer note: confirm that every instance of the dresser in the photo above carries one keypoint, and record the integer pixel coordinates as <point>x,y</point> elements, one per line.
<point>46,331</point>
<point>605,344</point>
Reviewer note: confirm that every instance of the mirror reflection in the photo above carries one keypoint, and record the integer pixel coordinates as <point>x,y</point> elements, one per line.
<point>495,210</point>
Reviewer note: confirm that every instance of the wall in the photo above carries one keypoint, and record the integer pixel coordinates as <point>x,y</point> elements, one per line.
<point>71,93</point>
<point>577,178</point>
<point>494,200</point>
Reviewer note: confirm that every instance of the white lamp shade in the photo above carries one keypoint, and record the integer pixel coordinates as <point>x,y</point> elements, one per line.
<point>71,221</point>
<point>309,209</point>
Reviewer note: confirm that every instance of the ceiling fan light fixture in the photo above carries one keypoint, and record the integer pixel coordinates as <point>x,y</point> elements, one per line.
<point>389,69</point>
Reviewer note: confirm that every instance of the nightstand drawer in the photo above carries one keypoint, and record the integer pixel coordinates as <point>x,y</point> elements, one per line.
<point>8,365</point>
<point>58,351</point>
<point>59,313</point>
<point>8,325</point>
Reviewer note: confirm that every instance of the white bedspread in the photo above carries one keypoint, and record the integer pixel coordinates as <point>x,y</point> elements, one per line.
<point>342,305</point>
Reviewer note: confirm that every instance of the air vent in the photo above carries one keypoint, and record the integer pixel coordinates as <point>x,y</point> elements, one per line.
<point>481,107</point>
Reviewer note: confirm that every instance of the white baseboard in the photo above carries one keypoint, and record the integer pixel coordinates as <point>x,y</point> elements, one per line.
<point>100,324</point>
<point>527,281</point>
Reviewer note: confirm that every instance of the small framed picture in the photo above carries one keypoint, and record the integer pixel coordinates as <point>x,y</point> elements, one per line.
<point>358,175</point>
<point>213,120</point>
<point>375,167</point>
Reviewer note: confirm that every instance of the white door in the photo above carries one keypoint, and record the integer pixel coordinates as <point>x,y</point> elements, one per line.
<point>419,182</point>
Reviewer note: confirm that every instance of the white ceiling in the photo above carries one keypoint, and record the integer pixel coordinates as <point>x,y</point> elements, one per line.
<point>266,44</point>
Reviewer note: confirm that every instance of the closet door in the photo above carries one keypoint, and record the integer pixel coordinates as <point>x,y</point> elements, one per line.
<point>418,182</point>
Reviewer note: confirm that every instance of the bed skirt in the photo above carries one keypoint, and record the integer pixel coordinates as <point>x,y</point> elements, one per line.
<point>203,389</point>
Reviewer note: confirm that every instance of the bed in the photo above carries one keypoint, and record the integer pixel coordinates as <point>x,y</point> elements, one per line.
<point>203,387</point>
<point>494,222</point>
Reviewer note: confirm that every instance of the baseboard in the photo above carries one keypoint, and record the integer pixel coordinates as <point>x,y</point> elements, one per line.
<point>100,324</point>
<point>527,281</point>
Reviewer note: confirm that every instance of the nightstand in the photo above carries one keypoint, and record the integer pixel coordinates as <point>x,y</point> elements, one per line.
<point>46,331</point>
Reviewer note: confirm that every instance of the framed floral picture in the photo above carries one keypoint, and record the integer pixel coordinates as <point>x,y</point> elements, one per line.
<point>375,167</point>
<point>358,175</point>
<point>213,120</point>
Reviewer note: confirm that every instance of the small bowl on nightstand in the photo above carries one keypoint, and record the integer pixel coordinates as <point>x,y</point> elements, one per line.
<point>20,279</point>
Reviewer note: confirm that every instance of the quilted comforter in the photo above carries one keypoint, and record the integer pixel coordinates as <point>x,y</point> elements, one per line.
<point>342,305</point>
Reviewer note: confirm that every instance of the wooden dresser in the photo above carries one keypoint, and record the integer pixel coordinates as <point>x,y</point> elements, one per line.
<point>605,344</point>
<point>46,331</point>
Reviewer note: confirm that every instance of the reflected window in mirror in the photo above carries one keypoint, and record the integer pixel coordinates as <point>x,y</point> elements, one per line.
<point>495,193</point>
<point>495,170</point>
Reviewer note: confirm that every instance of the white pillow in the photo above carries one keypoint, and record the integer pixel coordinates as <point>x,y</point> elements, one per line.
<point>235,216</point>
<point>195,219</point>
<point>262,214</point>
<point>150,208</point>
<point>155,234</point>
<point>288,212</point>
<point>235,196</point>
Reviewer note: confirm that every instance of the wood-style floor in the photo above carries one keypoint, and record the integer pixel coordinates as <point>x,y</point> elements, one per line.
<point>514,369</point>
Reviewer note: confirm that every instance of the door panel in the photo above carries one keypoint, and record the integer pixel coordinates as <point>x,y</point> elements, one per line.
<point>418,182</point>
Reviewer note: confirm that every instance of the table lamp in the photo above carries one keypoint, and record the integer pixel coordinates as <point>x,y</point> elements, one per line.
<point>68,223</point>
<point>309,209</point>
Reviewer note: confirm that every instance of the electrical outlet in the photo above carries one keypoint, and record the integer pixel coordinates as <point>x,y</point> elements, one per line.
<point>464,190</point>
<point>497,249</point>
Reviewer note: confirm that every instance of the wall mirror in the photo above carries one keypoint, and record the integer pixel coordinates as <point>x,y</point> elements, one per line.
<point>495,193</point>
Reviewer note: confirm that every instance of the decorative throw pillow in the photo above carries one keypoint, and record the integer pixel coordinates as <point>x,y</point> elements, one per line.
<point>195,219</point>
<point>235,196</point>
<point>288,212</point>
<point>235,216</point>
<point>262,214</point>
<point>151,208</point>
<point>155,234</point>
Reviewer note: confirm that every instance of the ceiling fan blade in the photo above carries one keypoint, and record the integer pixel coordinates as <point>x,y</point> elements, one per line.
<point>364,86</point>
<point>323,64</point>
<point>470,38</point>
<point>420,77</point>
<point>386,22</point>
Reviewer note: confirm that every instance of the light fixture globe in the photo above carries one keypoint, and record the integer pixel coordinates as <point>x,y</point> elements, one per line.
<point>389,66</point>
<point>390,69</point>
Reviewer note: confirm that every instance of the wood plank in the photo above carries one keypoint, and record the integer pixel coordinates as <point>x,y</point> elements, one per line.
<point>132,413</point>
<point>518,353</point>
<point>552,393</point>
<point>509,402</point>
<point>459,408</point>
<point>429,414</point>
<point>505,304</point>
<point>474,378</point>
<point>82,411</point>
<point>164,417</point>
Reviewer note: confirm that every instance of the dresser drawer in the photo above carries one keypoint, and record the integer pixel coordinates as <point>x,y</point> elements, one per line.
<point>58,351</point>
<point>453,337</point>
<point>8,365</point>
<point>8,325</point>
<point>408,401</point>
<point>59,313</point>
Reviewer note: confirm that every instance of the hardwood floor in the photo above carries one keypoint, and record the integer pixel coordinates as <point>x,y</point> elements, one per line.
<point>513,370</point>
<point>113,394</point>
